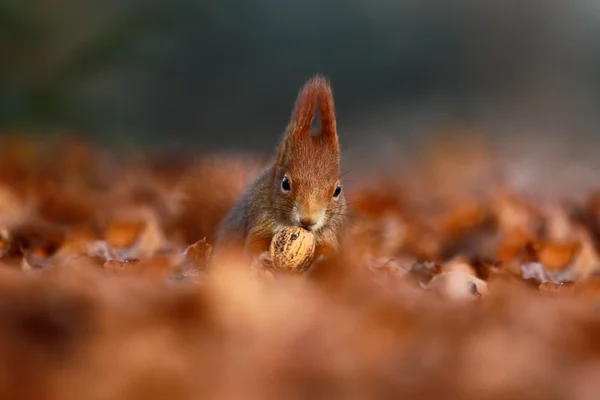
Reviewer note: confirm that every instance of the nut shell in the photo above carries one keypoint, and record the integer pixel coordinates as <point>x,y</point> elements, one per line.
<point>292,249</point>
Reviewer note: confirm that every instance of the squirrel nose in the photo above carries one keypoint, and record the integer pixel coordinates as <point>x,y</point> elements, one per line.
<point>307,222</point>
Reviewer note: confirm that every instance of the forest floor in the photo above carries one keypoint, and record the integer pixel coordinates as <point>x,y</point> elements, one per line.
<point>450,283</point>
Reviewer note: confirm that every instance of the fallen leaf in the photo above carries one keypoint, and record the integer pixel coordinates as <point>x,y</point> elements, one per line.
<point>585,263</point>
<point>557,255</point>
<point>5,241</point>
<point>457,285</point>
<point>123,234</point>
<point>199,254</point>
<point>537,272</point>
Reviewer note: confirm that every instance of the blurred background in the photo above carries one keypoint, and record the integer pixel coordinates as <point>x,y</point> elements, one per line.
<point>223,74</point>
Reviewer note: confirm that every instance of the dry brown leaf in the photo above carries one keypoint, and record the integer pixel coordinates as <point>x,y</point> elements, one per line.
<point>514,246</point>
<point>586,262</point>
<point>150,241</point>
<point>117,266</point>
<point>199,254</point>
<point>588,290</point>
<point>423,243</point>
<point>123,234</point>
<point>81,311</point>
<point>156,267</point>
<point>393,233</point>
<point>135,233</point>
<point>559,227</point>
<point>388,269</point>
<point>459,264</point>
<point>557,288</point>
<point>457,220</point>
<point>5,241</point>
<point>77,243</point>
<point>557,255</point>
<point>537,272</point>
<point>12,208</point>
<point>457,285</point>
<point>381,236</point>
<point>515,215</point>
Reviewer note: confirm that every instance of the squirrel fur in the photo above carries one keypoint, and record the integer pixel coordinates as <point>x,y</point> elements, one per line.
<point>300,187</point>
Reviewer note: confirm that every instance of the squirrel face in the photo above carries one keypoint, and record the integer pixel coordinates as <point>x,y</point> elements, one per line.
<point>307,187</point>
<point>306,181</point>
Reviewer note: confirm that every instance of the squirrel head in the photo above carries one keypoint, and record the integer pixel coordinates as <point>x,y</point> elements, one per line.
<point>306,177</point>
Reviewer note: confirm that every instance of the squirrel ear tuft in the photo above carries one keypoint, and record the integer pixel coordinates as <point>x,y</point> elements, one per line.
<point>301,121</point>
<point>316,90</point>
<point>304,109</point>
<point>327,112</point>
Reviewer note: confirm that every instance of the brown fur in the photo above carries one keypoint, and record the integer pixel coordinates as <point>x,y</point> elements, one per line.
<point>312,164</point>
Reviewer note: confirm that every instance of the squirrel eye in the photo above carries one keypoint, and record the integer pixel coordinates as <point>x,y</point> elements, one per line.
<point>285,184</point>
<point>338,190</point>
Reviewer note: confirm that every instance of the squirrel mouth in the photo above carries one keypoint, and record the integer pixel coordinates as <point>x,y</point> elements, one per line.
<point>313,227</point>
<point>311,223</point>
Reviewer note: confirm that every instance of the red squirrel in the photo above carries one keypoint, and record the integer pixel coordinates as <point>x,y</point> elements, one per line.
<point>300,187</point>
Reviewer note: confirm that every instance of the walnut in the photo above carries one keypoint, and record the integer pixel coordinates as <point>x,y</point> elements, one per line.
<point>292,249</point>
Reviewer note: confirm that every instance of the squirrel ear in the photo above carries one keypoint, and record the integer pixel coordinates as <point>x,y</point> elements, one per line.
<point>304,110</point>
<point>301,121</point>
<point>327,112</point>
<point>316,89</point>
